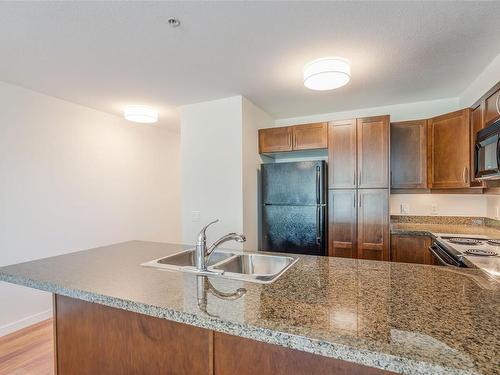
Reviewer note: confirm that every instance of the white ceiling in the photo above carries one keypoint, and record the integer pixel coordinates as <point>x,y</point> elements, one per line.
<point>108,54</point>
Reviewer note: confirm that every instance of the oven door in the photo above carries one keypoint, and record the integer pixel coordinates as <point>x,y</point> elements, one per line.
<point>443,258</point>
<point>488,157</point>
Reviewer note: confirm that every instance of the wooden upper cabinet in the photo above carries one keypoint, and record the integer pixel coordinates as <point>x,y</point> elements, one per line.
<point>373,224</point>
<point>275,140</point>
<point>449,150</point>
<point>293,138</point>
<point>342,223</point>
<point>373,152</point>
<point>310,136</point>
<point>411,249</point>
<point>342,154</point>
<point>492,108</point>
<point>409,154</point>
<point>477,123</point>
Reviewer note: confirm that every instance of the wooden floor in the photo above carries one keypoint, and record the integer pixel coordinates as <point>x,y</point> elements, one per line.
<point>28,351</point>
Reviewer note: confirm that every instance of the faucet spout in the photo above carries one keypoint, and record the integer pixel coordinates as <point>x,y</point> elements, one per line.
<point>202,252</point>
<point>228,237</point>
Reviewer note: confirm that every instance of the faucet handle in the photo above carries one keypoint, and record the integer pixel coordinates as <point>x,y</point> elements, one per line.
<point>201,235</point>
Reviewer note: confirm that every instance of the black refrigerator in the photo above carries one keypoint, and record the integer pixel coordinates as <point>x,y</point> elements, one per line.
<point>293,201</point>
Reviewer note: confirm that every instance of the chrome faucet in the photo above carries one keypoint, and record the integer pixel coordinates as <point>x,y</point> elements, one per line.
<point>203,253</point>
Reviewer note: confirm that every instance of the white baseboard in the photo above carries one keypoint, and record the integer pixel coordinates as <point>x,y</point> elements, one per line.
<point>25,322</point>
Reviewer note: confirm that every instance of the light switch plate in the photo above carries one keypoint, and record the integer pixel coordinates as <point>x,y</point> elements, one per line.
<point>195,216</point>
<point>404,208</point>
<point>434,209</point>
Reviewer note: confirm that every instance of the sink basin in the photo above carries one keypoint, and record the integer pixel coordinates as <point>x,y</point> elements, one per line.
<point>264,268</point>
<point>187,259</point>
<point>253,267</point>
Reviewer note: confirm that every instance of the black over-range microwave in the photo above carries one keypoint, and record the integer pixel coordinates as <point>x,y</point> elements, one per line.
<point>488,152</point>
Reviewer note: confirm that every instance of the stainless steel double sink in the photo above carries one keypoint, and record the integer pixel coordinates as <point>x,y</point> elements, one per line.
<point>245,266</point>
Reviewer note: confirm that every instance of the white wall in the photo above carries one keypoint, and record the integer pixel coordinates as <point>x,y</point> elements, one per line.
<point>484,81</point>
<point>73,178</point>
<point>493,206</point>
<point>211,154</point>
<point>445,204</point>
<point>253,119</point>
<point>398,112</point>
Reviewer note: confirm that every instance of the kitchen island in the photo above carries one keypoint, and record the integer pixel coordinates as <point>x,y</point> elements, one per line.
<point>321,316</point>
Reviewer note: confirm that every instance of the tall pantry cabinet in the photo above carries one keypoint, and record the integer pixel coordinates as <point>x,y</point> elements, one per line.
<point>358,170</point>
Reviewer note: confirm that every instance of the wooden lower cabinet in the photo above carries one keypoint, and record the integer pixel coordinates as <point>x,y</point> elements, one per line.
<point>358,223</point>
<point>95,339</point>
<point>411,249</point>
<point>236,355</point>
<point>342,212</point>
<point>373,224</point>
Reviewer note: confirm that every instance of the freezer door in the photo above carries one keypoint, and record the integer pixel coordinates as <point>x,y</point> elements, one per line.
<point>294,229</point>
<point>294,183</point>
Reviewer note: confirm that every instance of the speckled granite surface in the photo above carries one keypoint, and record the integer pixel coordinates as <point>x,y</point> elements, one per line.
<point>428,229</point>
<point>411,319</point>
<point>450,220</point>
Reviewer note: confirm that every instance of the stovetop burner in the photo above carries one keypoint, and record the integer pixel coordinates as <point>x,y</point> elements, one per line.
<point>494,242</point>
<point>481,252</point>
<point>465,241</point>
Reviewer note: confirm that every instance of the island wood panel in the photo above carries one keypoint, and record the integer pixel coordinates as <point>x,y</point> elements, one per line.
<point>409,154</point>
<point>310,136</point>
<point>477,123</point>
<point>373,152</point>
<point>236,355</point>
<point>342,154</point>
<point>94,339</point>
<point>411,249</point>
<point>373,224</point>
<point>342,223</point>
<point>449,150</point>
<point>275,140</point>
<point>492,108</point>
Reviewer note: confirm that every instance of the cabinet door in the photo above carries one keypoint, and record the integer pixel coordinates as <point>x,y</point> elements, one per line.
<point>411,249</point>
<point>409,154</point>
<point>310,136</point>
<point>342,154</point>
<point>492,108</point>
<point>275,140</point>
<point>373,152</point>
<point>477,124</point>
<point>342,223</point>
<point>449,150</point>
<point>373,224</point>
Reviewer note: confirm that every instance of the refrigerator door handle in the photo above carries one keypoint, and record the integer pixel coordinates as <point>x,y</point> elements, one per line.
<point>318,224</point>
<point>318,182</point>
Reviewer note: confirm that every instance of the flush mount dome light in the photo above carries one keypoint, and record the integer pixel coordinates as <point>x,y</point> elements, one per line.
<point>141,113</point>
<point>327,73</point>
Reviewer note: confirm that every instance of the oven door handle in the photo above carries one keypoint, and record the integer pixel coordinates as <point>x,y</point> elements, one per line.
<point>434,251</point>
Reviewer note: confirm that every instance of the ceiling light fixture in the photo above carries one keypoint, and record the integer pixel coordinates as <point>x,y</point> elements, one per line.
<point>327,73</point>
<point>140,113</point>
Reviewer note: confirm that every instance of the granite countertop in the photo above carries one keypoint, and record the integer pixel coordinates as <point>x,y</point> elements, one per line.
<point>410,319</point>
<point>427,229</point>
<point>489,265</point>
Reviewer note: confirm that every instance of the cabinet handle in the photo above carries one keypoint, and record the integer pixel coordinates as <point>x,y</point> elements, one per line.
<point>354,178</point>
<point>466,174</point>
<point>359,199</point>
<point>497,103</point>
<point>359,178</point>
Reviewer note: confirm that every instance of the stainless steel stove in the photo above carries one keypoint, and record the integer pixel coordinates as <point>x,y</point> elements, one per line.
<point>468,251</point>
